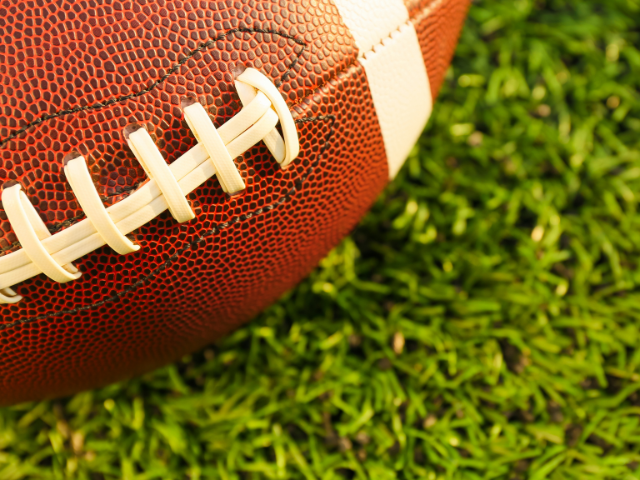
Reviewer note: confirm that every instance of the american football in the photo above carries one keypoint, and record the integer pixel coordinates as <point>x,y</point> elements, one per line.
<point>170,168</point>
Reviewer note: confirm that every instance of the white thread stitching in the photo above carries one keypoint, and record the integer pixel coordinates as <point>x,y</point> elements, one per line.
<point>45,253</point>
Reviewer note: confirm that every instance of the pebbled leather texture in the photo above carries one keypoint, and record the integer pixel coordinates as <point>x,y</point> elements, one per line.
<point>88,68</point>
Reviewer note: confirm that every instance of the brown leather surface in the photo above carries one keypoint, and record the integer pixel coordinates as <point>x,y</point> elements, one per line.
<point>191,283</point>
<point>74,73</point>
<point>438,24</point>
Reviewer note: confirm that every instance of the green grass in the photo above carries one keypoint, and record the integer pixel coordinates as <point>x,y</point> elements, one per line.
<point>481,323</point>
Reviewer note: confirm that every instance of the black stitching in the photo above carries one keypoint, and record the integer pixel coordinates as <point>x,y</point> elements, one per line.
<point>126,191</point>
<point>194,244</point>
<point>202,47</point>
<point>67,223</point>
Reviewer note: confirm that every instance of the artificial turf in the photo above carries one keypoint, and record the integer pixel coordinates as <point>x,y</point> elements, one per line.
<point>481,323</point>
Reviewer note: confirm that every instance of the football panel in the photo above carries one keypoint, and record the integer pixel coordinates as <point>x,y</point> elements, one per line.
<point>190,283</point>
<point>214,274</point>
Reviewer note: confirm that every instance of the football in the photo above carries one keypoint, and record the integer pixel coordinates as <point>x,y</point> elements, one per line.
<point>169,168</point>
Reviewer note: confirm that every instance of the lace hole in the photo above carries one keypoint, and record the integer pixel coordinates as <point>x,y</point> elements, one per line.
<point>188,100</point>
<point>72,155</point>
<point>131,129</point>
<point>9,184</point>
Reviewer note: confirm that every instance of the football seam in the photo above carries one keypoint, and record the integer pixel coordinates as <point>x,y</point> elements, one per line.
<point>202,237</point>
<point>199,49</point>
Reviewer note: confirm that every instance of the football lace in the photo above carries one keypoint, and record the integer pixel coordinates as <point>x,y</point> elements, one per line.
<point>167,187</point>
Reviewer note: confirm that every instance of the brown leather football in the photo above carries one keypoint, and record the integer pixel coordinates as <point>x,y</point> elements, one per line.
<point>170,168</point>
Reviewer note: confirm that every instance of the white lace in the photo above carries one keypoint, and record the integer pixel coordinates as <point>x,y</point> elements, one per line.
<point>167,188</point>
